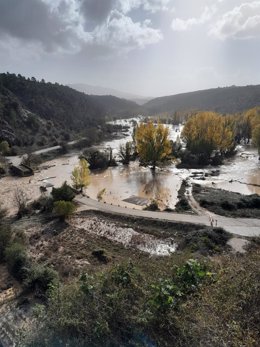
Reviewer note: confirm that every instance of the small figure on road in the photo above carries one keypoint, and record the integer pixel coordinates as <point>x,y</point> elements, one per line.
<point>216,222</point>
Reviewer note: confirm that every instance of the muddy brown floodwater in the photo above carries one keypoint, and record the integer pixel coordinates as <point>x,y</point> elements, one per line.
<point>240,174</point>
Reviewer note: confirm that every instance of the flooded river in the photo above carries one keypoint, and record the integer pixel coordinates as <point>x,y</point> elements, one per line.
<point>239,174</point>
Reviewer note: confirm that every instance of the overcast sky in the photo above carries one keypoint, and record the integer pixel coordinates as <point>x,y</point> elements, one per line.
<point>146,47</point>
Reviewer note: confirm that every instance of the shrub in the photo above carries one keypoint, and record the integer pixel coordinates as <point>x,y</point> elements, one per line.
<point>5,238</point>
<point>63,148</point>
<point>65,193</point>
<point>226,205</point>
<point>44,204</point>
<point>31,160</point>
<point>168,293</point>
<point>40,277</point>
<point>207,241</point>
<point>96,159</point>
<point>16,259</point>
<point>101,256</point>
<point>21,202</point>
<point>4,148</point>
<point>254,202</point>
<point>64,209</point>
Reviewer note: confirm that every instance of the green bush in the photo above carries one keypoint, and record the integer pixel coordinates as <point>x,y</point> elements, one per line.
<point>64,209</point>
<point>65,192</point>
<point>5,239</point>
<point>111,309</point>
<point>40,277</point>
<point>168,293</point>
<point>4,148</point>
<point>16,258</point>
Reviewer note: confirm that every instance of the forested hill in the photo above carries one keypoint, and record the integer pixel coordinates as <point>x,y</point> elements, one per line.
<point>30,109</point>
<point>116,106</point>
<point>223,100</point>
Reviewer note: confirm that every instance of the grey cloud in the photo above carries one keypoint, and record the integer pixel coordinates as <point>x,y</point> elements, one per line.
<point>96,11</point>
<point>71,25</point>
<point>32,20</point>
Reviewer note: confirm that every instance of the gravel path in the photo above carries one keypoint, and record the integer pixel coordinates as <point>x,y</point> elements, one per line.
<point>237,226</point>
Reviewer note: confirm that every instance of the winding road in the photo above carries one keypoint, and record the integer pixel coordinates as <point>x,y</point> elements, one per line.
<point>237,226</point>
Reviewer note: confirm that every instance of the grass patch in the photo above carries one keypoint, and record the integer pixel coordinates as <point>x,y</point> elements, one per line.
<point>227,203</point>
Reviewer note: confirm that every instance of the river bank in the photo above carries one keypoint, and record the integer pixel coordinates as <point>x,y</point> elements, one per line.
<point>134,186</point>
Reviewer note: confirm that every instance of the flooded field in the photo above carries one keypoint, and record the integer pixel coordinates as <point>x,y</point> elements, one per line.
<point>239,174</point>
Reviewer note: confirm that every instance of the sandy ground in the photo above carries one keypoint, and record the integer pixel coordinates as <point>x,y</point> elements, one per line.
<point>238,245</point>
<point>128,237</point>
<point>8,187</point>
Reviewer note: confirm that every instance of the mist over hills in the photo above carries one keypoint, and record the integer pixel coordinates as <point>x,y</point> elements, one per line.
<point>224,100</point>
<point>102,91</point>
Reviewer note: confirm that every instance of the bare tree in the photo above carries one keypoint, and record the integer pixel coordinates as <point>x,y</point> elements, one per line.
<point>21,201</point>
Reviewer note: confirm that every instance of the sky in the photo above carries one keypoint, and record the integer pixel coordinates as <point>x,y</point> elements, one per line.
<point>145,47</point>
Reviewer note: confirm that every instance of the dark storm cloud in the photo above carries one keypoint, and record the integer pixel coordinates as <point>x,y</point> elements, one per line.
<point>96,11</point>
<point>32,20</point>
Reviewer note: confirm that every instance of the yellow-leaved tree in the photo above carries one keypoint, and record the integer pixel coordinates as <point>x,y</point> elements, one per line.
<point>253,116</point>
<point>209,131</point>
<point>81,175</point>
<point>256,138</point>
<point>152,143</point>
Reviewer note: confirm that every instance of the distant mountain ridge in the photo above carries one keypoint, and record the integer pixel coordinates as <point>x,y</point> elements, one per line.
<point>102,91</point>
<point>224,100</point>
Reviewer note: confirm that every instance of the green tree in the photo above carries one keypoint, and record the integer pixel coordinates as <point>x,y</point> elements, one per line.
<point>64,209</point>
<point>81,175</point>
<point>4,148</point>
<point>65,192</point>
<point>125,152</point>
<point>152,143</point>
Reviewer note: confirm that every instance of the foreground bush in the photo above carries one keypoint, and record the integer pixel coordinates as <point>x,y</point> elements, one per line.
<point>227,312</point>
<point>64,209</point>
<point>5,239</point>
<point>40,278</point>
<point>16,258</point>
<point>118,308</point>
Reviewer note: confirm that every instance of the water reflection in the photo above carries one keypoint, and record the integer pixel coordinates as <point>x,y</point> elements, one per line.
<point>124,182</point>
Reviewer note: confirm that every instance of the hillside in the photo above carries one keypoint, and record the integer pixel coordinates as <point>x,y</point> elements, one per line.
<point>39,113</point>
<point>223,100</point>
<point>98,90</point>
<point>117,107</point>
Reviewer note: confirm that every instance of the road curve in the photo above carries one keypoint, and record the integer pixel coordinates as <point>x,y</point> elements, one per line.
<point>238,226</point>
